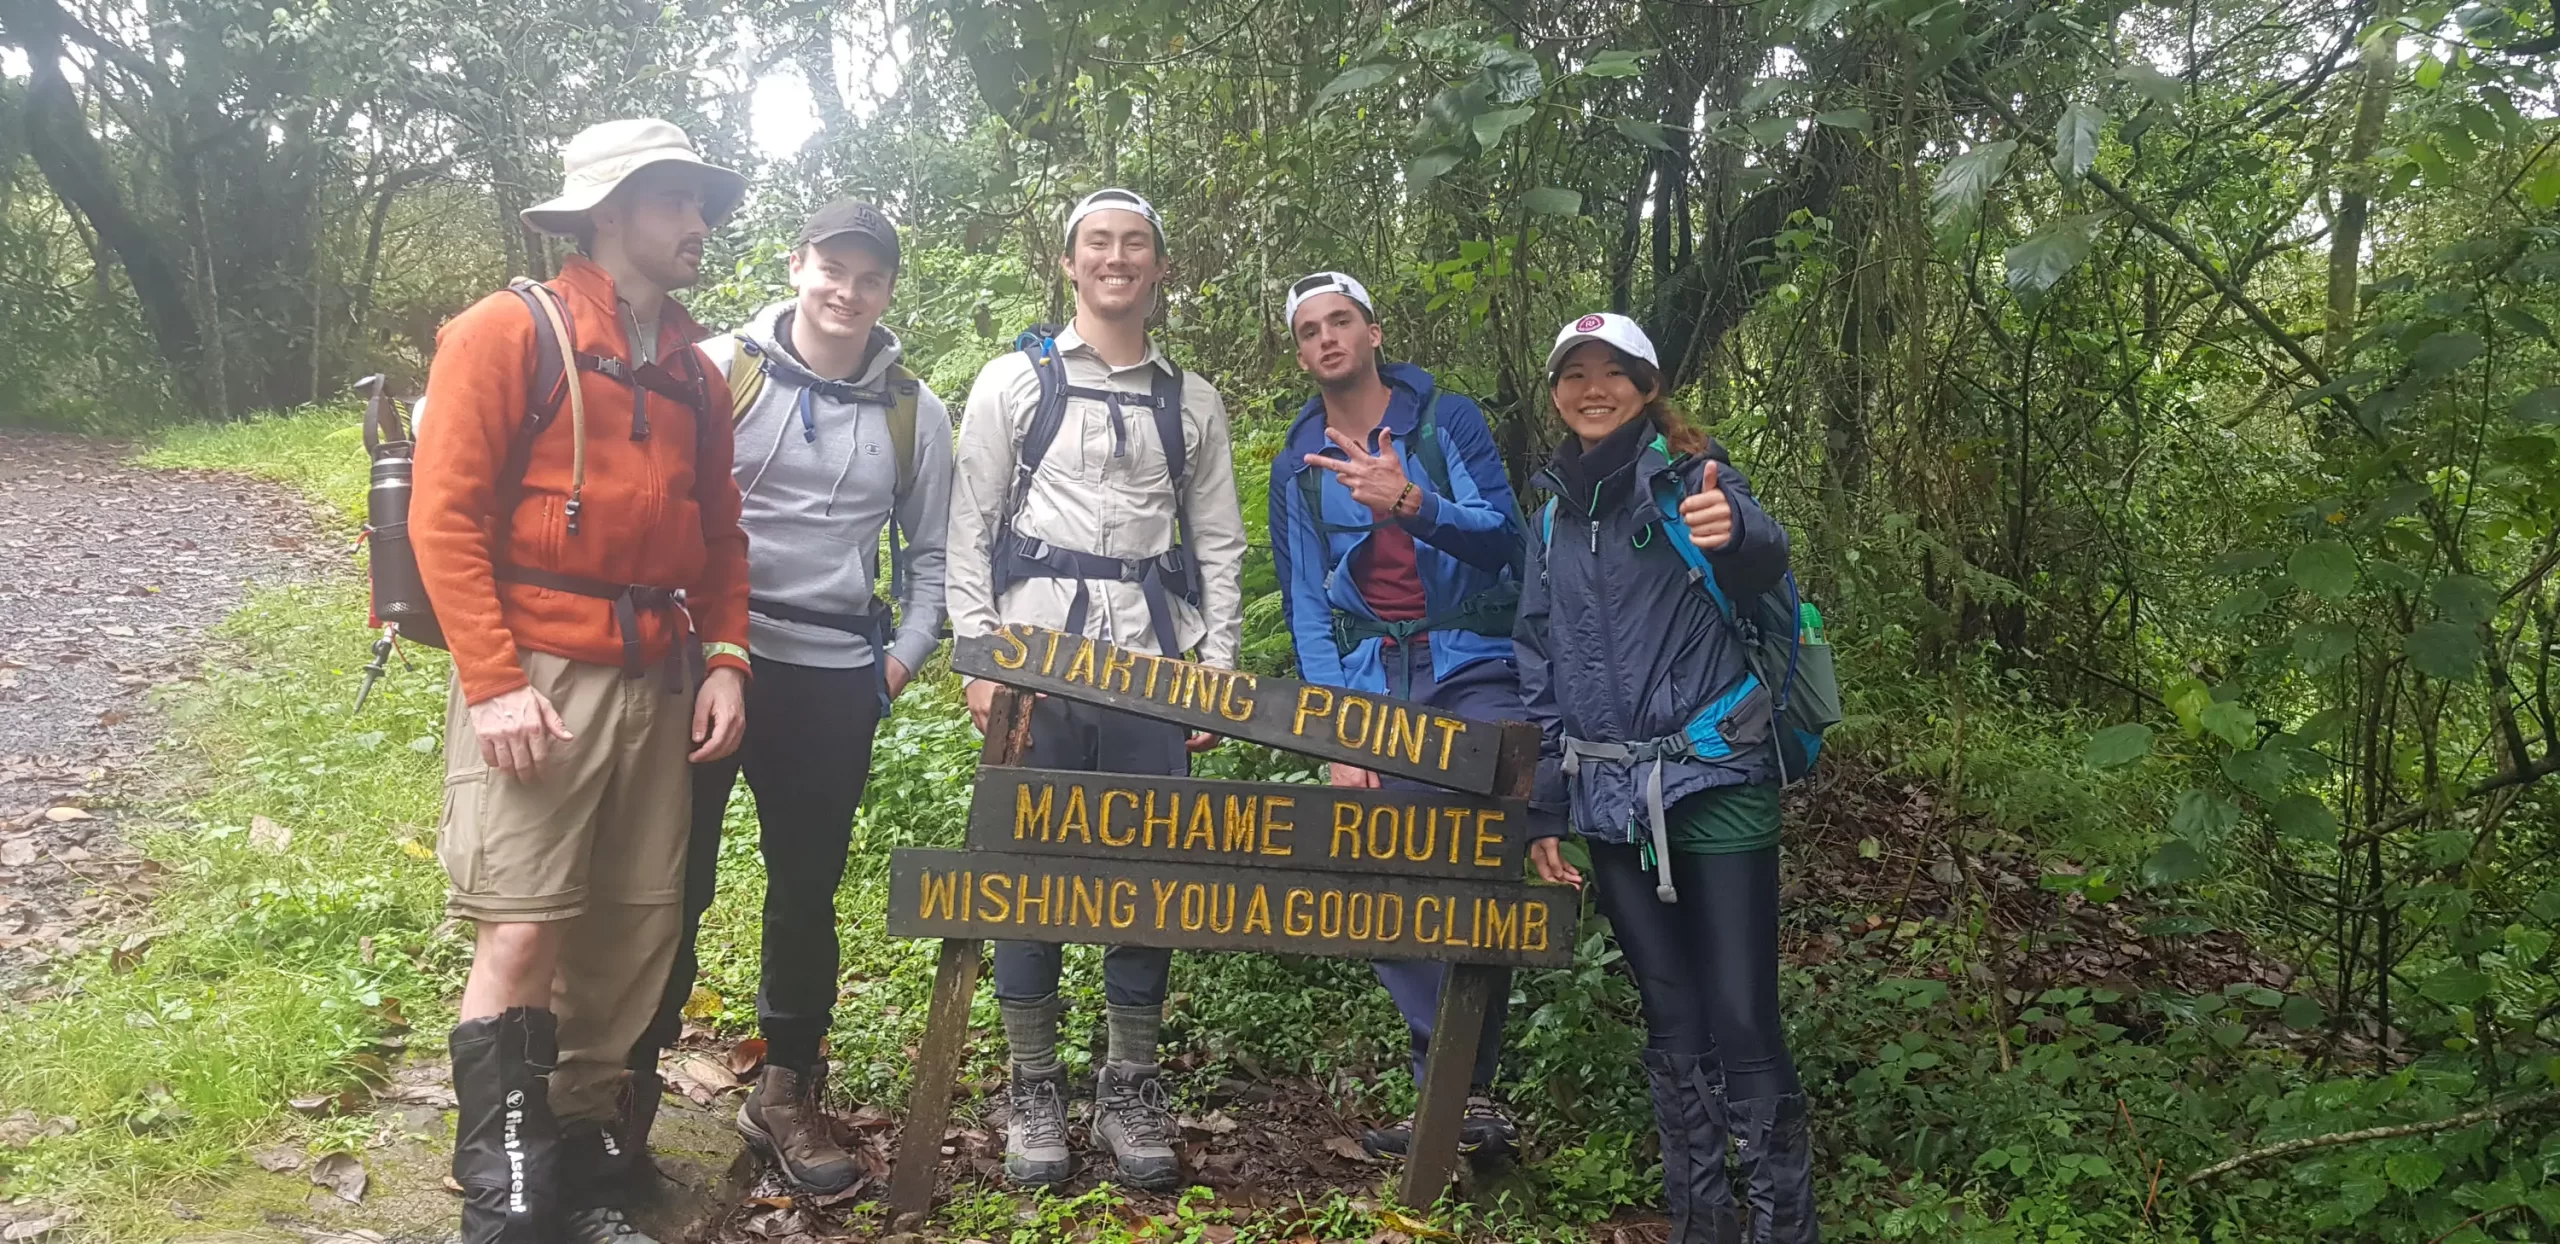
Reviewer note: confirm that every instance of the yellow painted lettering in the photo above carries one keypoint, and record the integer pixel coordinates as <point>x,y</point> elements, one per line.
<point>1118,663</point>
<point>997,890</point>
<point>1124,914</point>
<point>1294,922</point>
<point>1450,729</point>
<point>1195,907</point>
<point>1411,731</point>
<point>937,895</point>
<point>1087,905</point>
<point>1329,914</point>
<point>1313,701</point>
<point>1204,825</point>
<point>1275,824</point>
<point>1010,652</point>
<point>1342,731</point>
<point>1082,667</point>
<point>1164,898</point>
<point>1127,836</point>
<point>1488,834</point>
<point>1258,915</point>
<point>1225,923</point>
<point>1427,905</point>
<point>1390,917</point>
<point>1171,820</point>
<point>1427,838</point>
<point>1383,848</point>
<point>1027,815</point>
<point>1502,925</point>
<point>1533,924</point>
<point>1360,916</point>
<point>1227,705</point>
<point>1022,899</point>
<point>1242,813</point>
<point>1346,824</point>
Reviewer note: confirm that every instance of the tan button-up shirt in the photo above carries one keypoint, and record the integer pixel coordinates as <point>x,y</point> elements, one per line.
<point>1093,496</point>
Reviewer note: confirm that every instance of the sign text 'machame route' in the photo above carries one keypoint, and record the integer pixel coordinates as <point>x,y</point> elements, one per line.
<point>1375,732</point>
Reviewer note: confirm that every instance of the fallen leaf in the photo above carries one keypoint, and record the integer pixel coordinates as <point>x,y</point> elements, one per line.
<point>66,812</point>
<point>1345,1148</point>
<point>129,952</point>
<point>746,1056</point>
<point>18,852</point>
<point>30,1228</point>
<point>770,1202</point>
<point>1214,1123</point>
<point>341,1173</point>
<point>318,1104</point>
<point>111,718</point>
<point>1398,1220</point>
<point>700,1079</point>
<point>268,836</point>
<point>277,1159</point>
<point>26,1127</point>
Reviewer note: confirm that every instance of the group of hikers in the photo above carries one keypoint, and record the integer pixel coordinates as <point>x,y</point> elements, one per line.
<point>679,582</point>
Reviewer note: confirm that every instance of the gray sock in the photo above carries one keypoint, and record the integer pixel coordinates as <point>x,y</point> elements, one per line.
<point>1031,1033</point>
<point>1133,1033</point>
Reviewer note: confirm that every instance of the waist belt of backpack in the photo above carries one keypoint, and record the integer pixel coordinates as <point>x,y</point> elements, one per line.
<point>1658,751</point>
<point>872,626</point>
<point>684,660</point>
<point>1488,612</point>
<point>1027,558</point>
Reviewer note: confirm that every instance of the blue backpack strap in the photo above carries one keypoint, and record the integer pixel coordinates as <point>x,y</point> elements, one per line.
<point>1547,523</point>
<point>1666,498</point>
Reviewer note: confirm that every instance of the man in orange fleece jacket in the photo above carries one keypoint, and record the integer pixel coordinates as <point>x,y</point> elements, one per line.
<point>575,570</point>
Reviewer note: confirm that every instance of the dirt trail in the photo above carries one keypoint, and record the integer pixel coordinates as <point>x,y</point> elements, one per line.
<point>109,576</point>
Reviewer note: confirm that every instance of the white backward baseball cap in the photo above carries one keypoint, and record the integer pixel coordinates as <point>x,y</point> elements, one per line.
<point>1113,199</point>
<point>602,157</point>
<point>1608,326</point>
<point>1318,284</point>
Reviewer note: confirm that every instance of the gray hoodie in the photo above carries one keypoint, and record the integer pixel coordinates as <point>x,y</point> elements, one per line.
<point>818,493</point>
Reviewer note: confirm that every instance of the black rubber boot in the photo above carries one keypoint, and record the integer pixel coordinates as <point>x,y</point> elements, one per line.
<point>639,1115</point>
<point>1689,1111</point>
<point>1775,1143</point>
<point>506,1146</point>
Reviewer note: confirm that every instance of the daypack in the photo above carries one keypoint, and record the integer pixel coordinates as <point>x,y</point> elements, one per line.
<point>1781,634</point>
<point>1173,573</point>
<point>399,603</point>
<point>1488,612</point>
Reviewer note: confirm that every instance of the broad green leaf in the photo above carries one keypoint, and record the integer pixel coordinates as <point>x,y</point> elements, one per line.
<point>2075,140</point>
<point>2527,946</point>
<point>2445,353</point>
<point>2466,599</point>
<point>2175,863</point>
<point>2413,1171</point>
<point>2119,745</point>
<point>2446,650</point>
<point>2188,699</point>
<point>1965,180</point>
<point>2540,406</point>
<point>2037,264</point>
<point>1512,75</point>
<point>2303,1012</point>
<point>1489,127</point>
<point>2244,561</point>
<point>1552,201</point>
<point>2246,603</point>
<point>2203,817</point>
<point>1615,64</point>
<point>1819,14</point>
<point>2304,817</point>
<point>2430,72</point>
<point>2261,771</point>
<point>1427,167</point>
<point>2324,568</point>
<point>1847,119</point>
<point>1356,78</point>
<point>2231,722</point>
<point>2527,323</point>
<point>2457,985</point>
<point>1762,94</point>
<point>1644,133</point>
<point>2152,84</point>
<point>1769,131</point>
<point>2545,186</point>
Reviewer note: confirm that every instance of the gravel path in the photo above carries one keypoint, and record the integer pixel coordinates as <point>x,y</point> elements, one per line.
<point>109,575</point>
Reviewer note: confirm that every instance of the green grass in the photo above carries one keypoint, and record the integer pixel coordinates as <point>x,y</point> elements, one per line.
<point>318,450</point>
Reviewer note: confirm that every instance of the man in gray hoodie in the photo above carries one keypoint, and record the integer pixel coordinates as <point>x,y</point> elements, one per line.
<point>837,443</point>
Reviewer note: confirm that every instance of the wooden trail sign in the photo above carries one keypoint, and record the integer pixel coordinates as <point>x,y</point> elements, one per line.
<point>1391,736</point>
<point>1130,818</point>
<point>1039,898</point>
<point>1291,868</point>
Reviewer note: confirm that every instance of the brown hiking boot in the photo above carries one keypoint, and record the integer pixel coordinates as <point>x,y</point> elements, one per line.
<point>782,1120</point>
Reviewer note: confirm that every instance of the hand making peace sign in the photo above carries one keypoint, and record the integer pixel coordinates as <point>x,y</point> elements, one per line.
<point>1375,480</point>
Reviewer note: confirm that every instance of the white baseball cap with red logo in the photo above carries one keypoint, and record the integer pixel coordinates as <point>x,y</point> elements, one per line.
<point>1606,326</point>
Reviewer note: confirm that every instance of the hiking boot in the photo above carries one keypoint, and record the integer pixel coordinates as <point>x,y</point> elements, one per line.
<point>783,1121</point>
<point>506,1145</point>
<point>601,1225</point>
<point>1035,1139</point>
<point>1129,1116</point>
<point>1485,1131</point>
<point>1393,1140</point>
<point>1775,1144</point>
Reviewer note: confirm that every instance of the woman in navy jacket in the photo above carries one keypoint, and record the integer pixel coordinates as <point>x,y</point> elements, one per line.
<point>1658,750</point>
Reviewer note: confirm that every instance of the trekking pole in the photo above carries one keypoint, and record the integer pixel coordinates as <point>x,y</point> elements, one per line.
<point>381,663</point>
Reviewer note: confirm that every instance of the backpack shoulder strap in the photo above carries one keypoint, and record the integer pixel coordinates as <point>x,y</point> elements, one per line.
<point>555,376</point>
<point>1051,372</point>
<point>1666,499</point>
<point>1435,456</point>
<point>746,377</point>
<point>906,395</point>
<point>1168,395</point>
<point>1547,523</point>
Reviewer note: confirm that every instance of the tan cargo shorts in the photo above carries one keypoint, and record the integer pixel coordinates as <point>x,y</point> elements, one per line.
<point>605,819</point>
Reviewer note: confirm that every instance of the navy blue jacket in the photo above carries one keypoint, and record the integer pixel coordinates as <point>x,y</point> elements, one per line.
<point>1463,543</point>
<point>1616,645</point>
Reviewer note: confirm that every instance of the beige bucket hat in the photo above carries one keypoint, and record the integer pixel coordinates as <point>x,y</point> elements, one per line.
<point>604,156</point>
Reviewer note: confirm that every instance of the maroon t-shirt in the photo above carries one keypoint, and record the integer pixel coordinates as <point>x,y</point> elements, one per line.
<point>1389,577</point>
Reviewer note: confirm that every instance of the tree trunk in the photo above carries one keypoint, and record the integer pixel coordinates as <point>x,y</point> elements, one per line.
<point>2377,67</point>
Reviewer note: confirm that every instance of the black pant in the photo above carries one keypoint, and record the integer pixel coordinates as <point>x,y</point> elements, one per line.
<point>806,757</point>
<point>1068,735</point>
<point>1707,965</point>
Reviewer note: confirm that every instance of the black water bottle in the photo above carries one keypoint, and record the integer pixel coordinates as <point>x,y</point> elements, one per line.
<point>399,593</point>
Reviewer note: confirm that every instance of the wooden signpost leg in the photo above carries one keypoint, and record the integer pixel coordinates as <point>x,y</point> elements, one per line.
<point>1446,1071</point>
<point>946,1038</point>
<point>946,1025</point>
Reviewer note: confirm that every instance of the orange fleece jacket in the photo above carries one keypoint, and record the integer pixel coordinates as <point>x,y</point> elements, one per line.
<point>661,511</point>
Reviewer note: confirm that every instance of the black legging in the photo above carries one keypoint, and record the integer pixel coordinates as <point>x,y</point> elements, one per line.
<point>1707,965</point>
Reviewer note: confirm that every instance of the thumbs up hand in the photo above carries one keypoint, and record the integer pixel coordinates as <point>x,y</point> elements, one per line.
<point>1708,512</point>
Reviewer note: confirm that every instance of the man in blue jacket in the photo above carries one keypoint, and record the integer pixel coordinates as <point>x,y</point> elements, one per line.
<point>1398,541</point>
